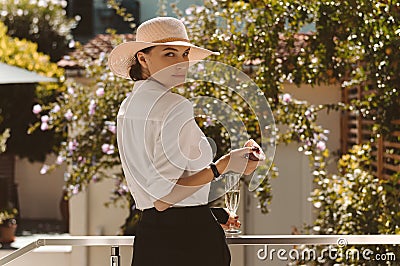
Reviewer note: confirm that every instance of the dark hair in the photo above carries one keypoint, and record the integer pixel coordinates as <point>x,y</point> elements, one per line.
<point>136,71</point>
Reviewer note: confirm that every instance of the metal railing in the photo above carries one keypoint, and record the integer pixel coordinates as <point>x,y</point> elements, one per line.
<point>116,241</point>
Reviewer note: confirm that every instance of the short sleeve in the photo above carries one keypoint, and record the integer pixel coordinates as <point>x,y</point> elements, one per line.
<point>171,149</point>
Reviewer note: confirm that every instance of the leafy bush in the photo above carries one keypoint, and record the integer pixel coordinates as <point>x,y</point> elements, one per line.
<point>41,21</point>
<point>356,202</point>
<point>7,214</point>
<point>86,115</point>
<point>16,101</point>
<point>3,140</point>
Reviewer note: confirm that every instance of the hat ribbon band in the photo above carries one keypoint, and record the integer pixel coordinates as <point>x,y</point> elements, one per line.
<point>171,39</point>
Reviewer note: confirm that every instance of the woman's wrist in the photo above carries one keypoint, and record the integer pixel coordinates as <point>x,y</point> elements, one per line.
<point>222,164</point>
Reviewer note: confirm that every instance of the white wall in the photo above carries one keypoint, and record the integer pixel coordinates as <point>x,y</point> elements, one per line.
<point>105,221</point>
<point>322,95</point>
<point>39,195</point>
<point>90,217</point>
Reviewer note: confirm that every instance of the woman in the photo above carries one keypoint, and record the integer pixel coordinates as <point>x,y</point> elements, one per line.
<point>167,160</point>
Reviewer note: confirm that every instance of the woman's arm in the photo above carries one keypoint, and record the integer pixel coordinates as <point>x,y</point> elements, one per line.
<point>186,186</point>
<point>235,161</point>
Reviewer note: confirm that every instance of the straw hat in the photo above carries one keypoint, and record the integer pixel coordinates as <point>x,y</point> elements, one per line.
<point>156,31</point>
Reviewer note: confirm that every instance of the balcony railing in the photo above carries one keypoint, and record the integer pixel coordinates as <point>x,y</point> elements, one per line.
<point>115,241</point>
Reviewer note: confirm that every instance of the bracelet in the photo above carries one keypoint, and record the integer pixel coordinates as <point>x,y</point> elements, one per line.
<point>215,170</point>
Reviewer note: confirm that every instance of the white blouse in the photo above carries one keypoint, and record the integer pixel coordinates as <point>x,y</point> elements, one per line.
<point>159,142</point>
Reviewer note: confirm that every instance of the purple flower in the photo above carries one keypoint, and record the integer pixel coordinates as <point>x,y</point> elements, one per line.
<point>70,90</point>
<point>44,126</point>
<point>323,136</point>
<point>56,108</point>
<point>36,109</point>
<point>68,115</point>
<point>81,159</point>
<point>208,122</point>
<point>72,145</point>
<point>321,145</point>
<point>44,169</point>
<point>100,92</point>
<point>200,67</point>
<point>286,98</point>
<point>123,189</point>
<point>189,11</point>
<point>108,148</point>
<point>60,159</point>
<point>92,107</point>
<point>105,147</point>
<point>102,56</point>
<point>45,118</point>
<point>112,128</point>
<point>95,178</point>
<point>75,189</point>
<point>199,9</point>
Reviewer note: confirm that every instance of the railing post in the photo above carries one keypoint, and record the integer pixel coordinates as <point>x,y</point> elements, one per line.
<point>115,258</point>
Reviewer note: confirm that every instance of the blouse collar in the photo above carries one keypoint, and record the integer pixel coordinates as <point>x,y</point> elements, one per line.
<point>150,83</point>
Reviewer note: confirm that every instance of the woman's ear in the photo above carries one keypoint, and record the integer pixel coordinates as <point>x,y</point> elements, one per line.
<point>141,59</point>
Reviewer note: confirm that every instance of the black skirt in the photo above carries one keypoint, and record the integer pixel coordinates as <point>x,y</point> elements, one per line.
<point>180,237</point>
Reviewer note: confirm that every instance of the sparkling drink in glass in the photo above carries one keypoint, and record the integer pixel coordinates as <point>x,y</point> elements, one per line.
<point>232,197</point>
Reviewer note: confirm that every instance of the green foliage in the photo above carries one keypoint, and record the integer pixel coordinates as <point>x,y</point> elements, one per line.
<point>6,214</point>
<point>356,202</point>
<point>244,31</point>
<point>3,140</point>
<point>86,115</point>
<point>359,203</point>
<point>16,101</point>
<point>24,54</point>
<point>360,45</point>
<point>121,11</point>
<point>357,44</point>
<point>43,22</point>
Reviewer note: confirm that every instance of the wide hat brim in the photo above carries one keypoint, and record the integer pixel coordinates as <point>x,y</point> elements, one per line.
<point>121,57</point>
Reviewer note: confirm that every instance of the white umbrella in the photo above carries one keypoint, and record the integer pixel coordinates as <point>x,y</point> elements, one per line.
<point>16,75</point>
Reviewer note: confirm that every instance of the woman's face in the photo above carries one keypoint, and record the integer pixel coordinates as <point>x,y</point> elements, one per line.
<point>168,64</point>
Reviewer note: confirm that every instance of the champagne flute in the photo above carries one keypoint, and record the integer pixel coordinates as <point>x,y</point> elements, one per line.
<point>232,197</point>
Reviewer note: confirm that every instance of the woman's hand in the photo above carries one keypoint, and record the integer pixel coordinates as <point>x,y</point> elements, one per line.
<point>232,221</point>
<point>236,161</point>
